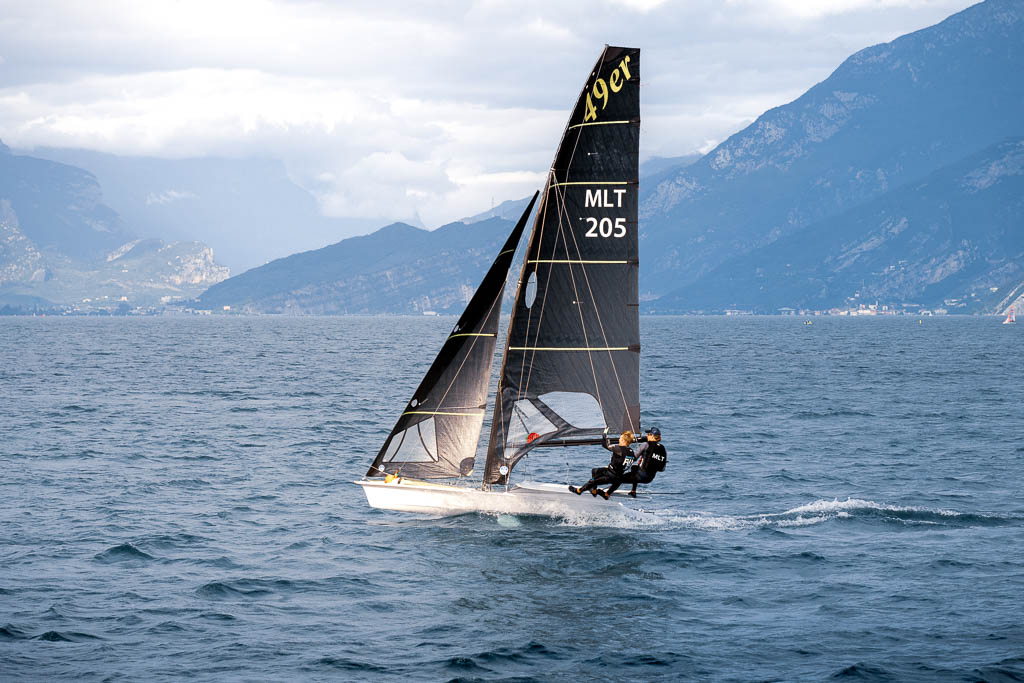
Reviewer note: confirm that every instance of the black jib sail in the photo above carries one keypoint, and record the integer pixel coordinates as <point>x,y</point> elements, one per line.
<point>437,434</point>
<point>572,363</point>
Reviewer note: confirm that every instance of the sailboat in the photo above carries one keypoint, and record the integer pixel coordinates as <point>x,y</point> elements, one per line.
<point>1011,316</point>
<point>571,360</point>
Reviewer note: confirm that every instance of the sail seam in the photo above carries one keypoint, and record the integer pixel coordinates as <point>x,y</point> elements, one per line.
<point>568,348</point>
<point>598,123</point>
<point>441,412</point>
<point>591,182</point>
<point>579,261</point>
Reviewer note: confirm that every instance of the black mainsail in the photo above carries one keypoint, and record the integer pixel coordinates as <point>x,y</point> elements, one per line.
<point>437,434</point>
<point>572,362</point>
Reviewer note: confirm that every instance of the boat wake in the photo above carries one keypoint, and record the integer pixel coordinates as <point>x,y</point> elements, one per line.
<point>810,514</point>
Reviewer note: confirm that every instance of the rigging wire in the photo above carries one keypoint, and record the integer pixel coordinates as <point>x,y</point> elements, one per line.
<point>440,402</point>
<point>564,223</point>
<point>563,211</point>
<point>524,386</point>
<point>600,324</point>
<point>551,181</point>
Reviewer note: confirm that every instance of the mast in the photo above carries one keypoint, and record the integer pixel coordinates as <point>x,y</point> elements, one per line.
<point>436,435</point>
<point>571,365</point>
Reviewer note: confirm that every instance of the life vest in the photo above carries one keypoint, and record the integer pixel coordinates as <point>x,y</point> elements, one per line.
<point>654,458</point>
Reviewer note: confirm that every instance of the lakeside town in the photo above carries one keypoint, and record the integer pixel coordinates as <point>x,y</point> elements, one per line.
<point>122,306</point>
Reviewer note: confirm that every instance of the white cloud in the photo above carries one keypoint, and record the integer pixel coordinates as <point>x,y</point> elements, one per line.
<point>808,9</point>
<point>641,5</point>
<point>546,29</point>
<point>168,196</point>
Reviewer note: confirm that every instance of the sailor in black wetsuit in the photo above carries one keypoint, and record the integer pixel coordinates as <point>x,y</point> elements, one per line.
<point>650,459</point>
<point>616,466</point>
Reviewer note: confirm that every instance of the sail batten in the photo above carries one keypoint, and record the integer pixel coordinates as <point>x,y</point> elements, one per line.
<point>571,362</point>
<point>436,435</point>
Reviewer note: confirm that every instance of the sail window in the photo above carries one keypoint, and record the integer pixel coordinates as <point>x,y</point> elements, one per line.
<point>526,420</point>
<point>418,443</point>
<point>531,290</point>
<point>579,409</point>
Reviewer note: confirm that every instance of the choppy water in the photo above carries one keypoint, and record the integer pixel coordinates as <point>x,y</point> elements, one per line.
<point>177,503</point>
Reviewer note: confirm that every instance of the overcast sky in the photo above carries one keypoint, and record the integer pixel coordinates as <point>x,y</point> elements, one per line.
<point>388,109</point>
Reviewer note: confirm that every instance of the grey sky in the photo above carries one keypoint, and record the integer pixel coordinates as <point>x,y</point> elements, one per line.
<point>385,109</point>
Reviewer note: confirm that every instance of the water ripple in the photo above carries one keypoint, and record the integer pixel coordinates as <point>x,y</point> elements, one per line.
<point>178,503</point>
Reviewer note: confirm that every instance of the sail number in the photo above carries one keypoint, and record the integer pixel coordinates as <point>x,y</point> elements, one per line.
<point>603,89</point>
<point>604,227</point>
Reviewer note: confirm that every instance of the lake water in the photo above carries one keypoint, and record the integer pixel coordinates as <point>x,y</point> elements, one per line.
<point>843,499</point>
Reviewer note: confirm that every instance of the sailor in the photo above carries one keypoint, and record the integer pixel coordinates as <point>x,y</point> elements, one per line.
<point>612,474</point>
<point>650,459</point>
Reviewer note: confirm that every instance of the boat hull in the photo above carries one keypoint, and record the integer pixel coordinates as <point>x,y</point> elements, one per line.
<point>444,499</point>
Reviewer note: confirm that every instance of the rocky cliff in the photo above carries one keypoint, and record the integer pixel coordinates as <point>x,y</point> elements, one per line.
<point>954,239</point>
<point>60,245</point>
<point>888,116</point>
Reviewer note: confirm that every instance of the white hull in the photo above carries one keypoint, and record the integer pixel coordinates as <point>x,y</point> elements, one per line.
<point>443,499</point>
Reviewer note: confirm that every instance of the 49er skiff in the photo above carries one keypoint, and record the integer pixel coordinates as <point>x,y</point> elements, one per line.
<point>571,362</point>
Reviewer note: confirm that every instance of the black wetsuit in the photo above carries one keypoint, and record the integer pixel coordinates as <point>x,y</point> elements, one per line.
<point>612,474</point>
<point>651,459</point>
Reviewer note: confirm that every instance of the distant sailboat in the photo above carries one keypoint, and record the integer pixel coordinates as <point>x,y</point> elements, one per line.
<point>1011,316</point>
<point>571,363</point>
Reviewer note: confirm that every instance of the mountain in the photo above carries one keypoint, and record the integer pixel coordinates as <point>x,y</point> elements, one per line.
<point>58,206</point>
<point>61,245</point>
<point>248,210</point>
<point>796,209</point>
<point>509,210</point>
<point>889,115</point>
<point>397,269</point>
<point>661,165</point>
<point>953,239</point>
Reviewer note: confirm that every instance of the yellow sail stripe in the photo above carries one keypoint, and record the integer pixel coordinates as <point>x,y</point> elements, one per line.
<point>598,123</point>
<point>574,261</point>
<point>568,348</point>
<point>441,412</point>
<point>592,182</point>
<point>472,334</point>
